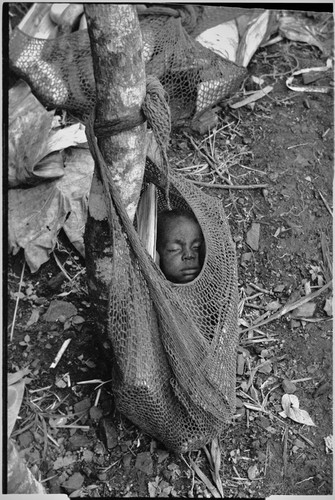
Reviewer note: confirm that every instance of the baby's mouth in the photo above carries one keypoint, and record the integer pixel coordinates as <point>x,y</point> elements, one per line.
<point>190,271</point>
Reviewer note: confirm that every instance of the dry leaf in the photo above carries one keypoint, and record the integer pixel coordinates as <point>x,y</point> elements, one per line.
<point>36,215</point>
<point>290,404</point>
<point>329,442</point>
<point>15,397</point>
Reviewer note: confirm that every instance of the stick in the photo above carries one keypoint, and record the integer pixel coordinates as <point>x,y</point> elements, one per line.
<point>230,186</point>
<point>326,204</point>
<point>252,98</point>
<point>205,480</point>
<point>60,353</point>
<point>289,307</point>
<point>17,302</point>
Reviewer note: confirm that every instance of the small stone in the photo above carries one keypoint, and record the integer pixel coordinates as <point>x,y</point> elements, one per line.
<point>74,482</point>
<point>246,256</point>
<point>253,472</point>
<point>288,386</point>
<point>82,406</point>
<point>161,455</point>
<point>266,367</point>
<point>59,309</point>
<point>79,441</point>
<point>126,460</point>
<point>253,236</point>
<point>295,324</point>
<point>264,422</point>
<point>279,288</point>
<point>88,455</point>
<point>299,444</point>
<point>144,463</point>
<point>305,311</point>
<point>239,403</point>
<point>102,476</point>
<point>109,433</point>
<point>95,413</point>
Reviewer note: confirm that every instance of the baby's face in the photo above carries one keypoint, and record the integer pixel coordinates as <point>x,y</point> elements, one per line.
<point>180,250</point>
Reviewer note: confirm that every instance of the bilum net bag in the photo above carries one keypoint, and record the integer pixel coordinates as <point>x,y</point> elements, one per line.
<point>60,70</point>
<point>173,346</point>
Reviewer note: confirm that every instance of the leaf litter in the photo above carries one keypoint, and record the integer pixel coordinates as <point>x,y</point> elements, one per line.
<point>256,395</point>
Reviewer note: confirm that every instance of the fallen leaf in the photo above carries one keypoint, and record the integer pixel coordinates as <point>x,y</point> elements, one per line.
<point>329,442</point>
<point>15,397</point>
<point>12,378</point>
<point>54,422</point>
<point>36,215</point>
<point>34,317</point>
<point>290,404</point>
<point>297,30</point>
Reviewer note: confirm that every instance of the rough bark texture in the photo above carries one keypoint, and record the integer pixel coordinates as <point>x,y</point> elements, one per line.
<point>120,81</point>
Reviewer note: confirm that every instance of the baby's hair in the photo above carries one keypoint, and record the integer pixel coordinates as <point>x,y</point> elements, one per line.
<point>167,215</point>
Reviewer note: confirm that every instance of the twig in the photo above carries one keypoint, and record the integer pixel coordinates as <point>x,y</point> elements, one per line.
<point>298,145</point>
<point>60,353</point>
<point>17,302</point>
<point>301,380</point>
<point>97,397</point>
<point>205,480</point>
<point>325,202</point>
<point>32,391</point>
<point>71,426</point>
<point>306,439</point>
<point>259,288</point>
<point>285,439</point>
<point>229,186</point>
<point>290,307</point>
<point>61,267</point>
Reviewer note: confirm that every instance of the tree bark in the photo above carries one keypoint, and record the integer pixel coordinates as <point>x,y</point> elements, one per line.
<point>119,71</point>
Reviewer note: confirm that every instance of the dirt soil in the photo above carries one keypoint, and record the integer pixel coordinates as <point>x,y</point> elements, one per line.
<point>285,141</point>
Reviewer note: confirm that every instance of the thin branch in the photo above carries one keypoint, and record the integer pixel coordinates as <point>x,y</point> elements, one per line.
<point>290,307</point>
<point>17,302</point>
<point>230,186</point>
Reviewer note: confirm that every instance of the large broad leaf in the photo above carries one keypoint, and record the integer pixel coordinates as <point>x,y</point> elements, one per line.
<point>36,215</point>
<point>27,138</point>
<point>290,404</point>
<point>75,186</point>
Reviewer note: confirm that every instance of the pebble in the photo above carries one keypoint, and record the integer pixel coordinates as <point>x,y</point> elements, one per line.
<point>59,309</point>
<point>144,463</point>
<point>253,236</point>
<point>79,441</point>
<point>288,386</point>
<point>109,433</point>
<point>74,482</point>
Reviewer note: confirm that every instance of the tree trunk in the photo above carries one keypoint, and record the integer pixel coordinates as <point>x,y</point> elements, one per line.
<point>119,71</point>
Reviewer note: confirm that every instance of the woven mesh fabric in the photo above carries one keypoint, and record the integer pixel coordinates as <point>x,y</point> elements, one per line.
<point>174,346</point>
<point>60,70</point>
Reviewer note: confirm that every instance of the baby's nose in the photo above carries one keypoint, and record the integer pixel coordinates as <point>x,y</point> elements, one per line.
<point>189,254</point>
